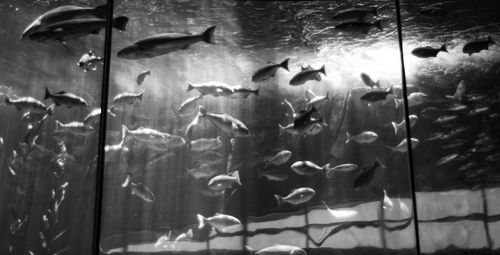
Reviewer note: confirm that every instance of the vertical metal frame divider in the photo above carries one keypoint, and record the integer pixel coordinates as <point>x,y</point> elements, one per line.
<point>102,131</point>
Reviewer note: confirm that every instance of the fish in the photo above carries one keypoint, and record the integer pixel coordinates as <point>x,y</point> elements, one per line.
<point>401,127</point>
<point>478,110</point>
<point>306,75</point>
<point>66,30</point>
<point>190,127</point>
<point>277,249</point>
<point>146,135</point>
<point>205,144</point>
<point>202,171</point>
<point>433,12</point>
<point>296,197</point>
<point>222,182</point>
<point>403,145</point>
<point>414,99</point>
<point>189,105</point>
<point>65,98</point>
<point>432,112</point>
<point>278,159</point>
<point>126,98</point>
<point>209,157</point>
<point>219,221</point>
<point>353,14</point>
<point>366,175</point>
<point>30,105</point>
<point>226,123</point>
<point>477,46</point>
<point>304,130</point>
<point>359,26</point>
<point>269,71</point>
<point>367,80</point>
<point>187,236</point>
<point>376,95</point>
<point>347,167</point>
<point>448,158</point>
<point>273,175</point>
<point>387,203</point>
<point>309,168</point>
<point>244,92</point>
<point>303,118</point>
<point>290,110</point>
<point>213,88</point>
<point>457,107</point>
<point>139,190</point>
<point>445,119</point>
<point>112,151</point>
<point>454,144</point>
<point>163,241</point>
<point>164,43</point>
<point>63,13</point>
<point>476,98</point>
<point>76,128</point>
<point>459,92</point>
<point>428,51</point>
<point>141,76</point>
<point>317,101</point>
<point>89,61</point>
<point>363,137</point>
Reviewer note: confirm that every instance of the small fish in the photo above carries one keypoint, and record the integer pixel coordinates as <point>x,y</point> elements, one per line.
<point>359,26</point>
<point>353,14</point>
<point>363,137</point>
<point>65,98</point>
<point>202,171</point>
<point>447,159</point>
<point>457,107</point>
<point>414,99</point>
<point>140,78</point>
<point>428,52</point>
<point>222,182</point>
<point>146,135</point>
<point>433,12</point>
<point>273,175</point>
<point>477,46</point>
<point>244,92</point>
<point>478,110</point>
<point>459,92</point>
<point>29,105</point>
<point>309,168</point>
<point>367,80</point>
<point>191,126</point>
<point>432,112</point>
<point>206,144</point>
<point>208,157</point>
<point>213,88</point>
<point>75,28</point>
<point>296,197</point>
<point>225,122</point>
<point>454,144</point>
<point>269,71</point>
<point>165,43</point>
<point>189,105</point>
<point>304,130</point>
<point>76,128</point>
<point>403,145</point>
<point>348,167</point>
<point>219,221</point>
<point>366,175</point>
<point>277,249</point>
<point>90,61</point>
<point>140,190</point>
<point>307,75</point>
<point>445,119</point>
<point>476,98</point>
<point>376,95</point>
<point>401,127</point>
<point>126,98</point>
<point>279,158</point>
<point>317,101</point>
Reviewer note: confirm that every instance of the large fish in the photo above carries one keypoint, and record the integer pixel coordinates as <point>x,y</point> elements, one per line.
<point>65,98</point>
<point>225,122</point>
<point>71,29</point>
<point>477,46</point>
<point>353,14</point>
<point>278,249</point>
<point>219,221</point>
<point>296,196</point>
<point>307,74</point>
<point>269,71</point>
<point>76,128</point>
<point>428,52</point>
<point>29,105</point>
<point>359,26</point>
<point>161,44</point>
<point>63,13</point>
<point>213,88</point>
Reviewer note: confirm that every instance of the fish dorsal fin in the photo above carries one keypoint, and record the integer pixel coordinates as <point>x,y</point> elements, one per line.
<point>306,68</point>
<point>217,214</point>
<point>61,92</point>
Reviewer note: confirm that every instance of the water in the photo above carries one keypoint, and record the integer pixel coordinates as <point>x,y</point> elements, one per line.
<point>454,161</point>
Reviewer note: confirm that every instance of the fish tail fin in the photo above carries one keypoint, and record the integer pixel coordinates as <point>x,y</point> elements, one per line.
<point>349,137</point>
<point>140,95</point>
<point>236,174</point>
<point>378,24</point>
<point>490,40</point>
<point>202,111</point>
<point>190,86</point>
<point>279,199</point>
<point>257,91</point>
<point>47,93</point>
<point>281,129</point>
<point>391,90</point>
<point>322,70</point>
<point>443,48</point>
<point>208,35</point>
<point>125,132</point>
<point>395,126</point>
<point>50,109</point>
<point>101,11</point>
<point>201,220</point>
<point>120,23</point>
<point>284,64</point>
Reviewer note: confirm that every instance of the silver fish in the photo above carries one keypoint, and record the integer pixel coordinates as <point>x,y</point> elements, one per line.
<point>142,76</point>
<point>65,98</point>
<point>146,135</point>
<point>279,158</point>
<point>202,171</point>
<point>225,122</point>
<point>403,145</point>
<point>208,157</point>
<point>30,105</point>
<point>363,137</point>
<point>94,116</point>
<point>447,159</point>
<point>219,221</point>
<point>269,71</point>
<point>206,144</point>
<point>213,88</point>
<point>296,196</point>
<point>165,43</point>
<point>126,98</point>
<point>244,92</point>
<point>189,105</point>
<point>139,190</point>
<point>401,126</point>
<point>76,128</point>
<point>348,167</point>
<point>90,61</point>
<point>314,100</point>
<point>222,182</point>
<point>307,75</point>
<point>309,168</point>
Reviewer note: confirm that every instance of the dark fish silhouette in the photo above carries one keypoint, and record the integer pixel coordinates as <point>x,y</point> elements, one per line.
<point>354,14</point>
<point>269,71</point>
<point>377,95</point>
<point>477,46</point>
<point>304,117</point>
<point>359,26</point>
<point>366,175</point>
<point>433,12</point>
<point>427,52</point>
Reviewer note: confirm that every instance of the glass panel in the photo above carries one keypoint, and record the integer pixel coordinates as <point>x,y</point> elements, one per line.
<point>47,142</point>
<point>452,70</point>
<point>252,124</point>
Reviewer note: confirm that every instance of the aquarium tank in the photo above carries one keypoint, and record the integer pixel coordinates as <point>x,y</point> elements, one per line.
<point>249,127</point>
